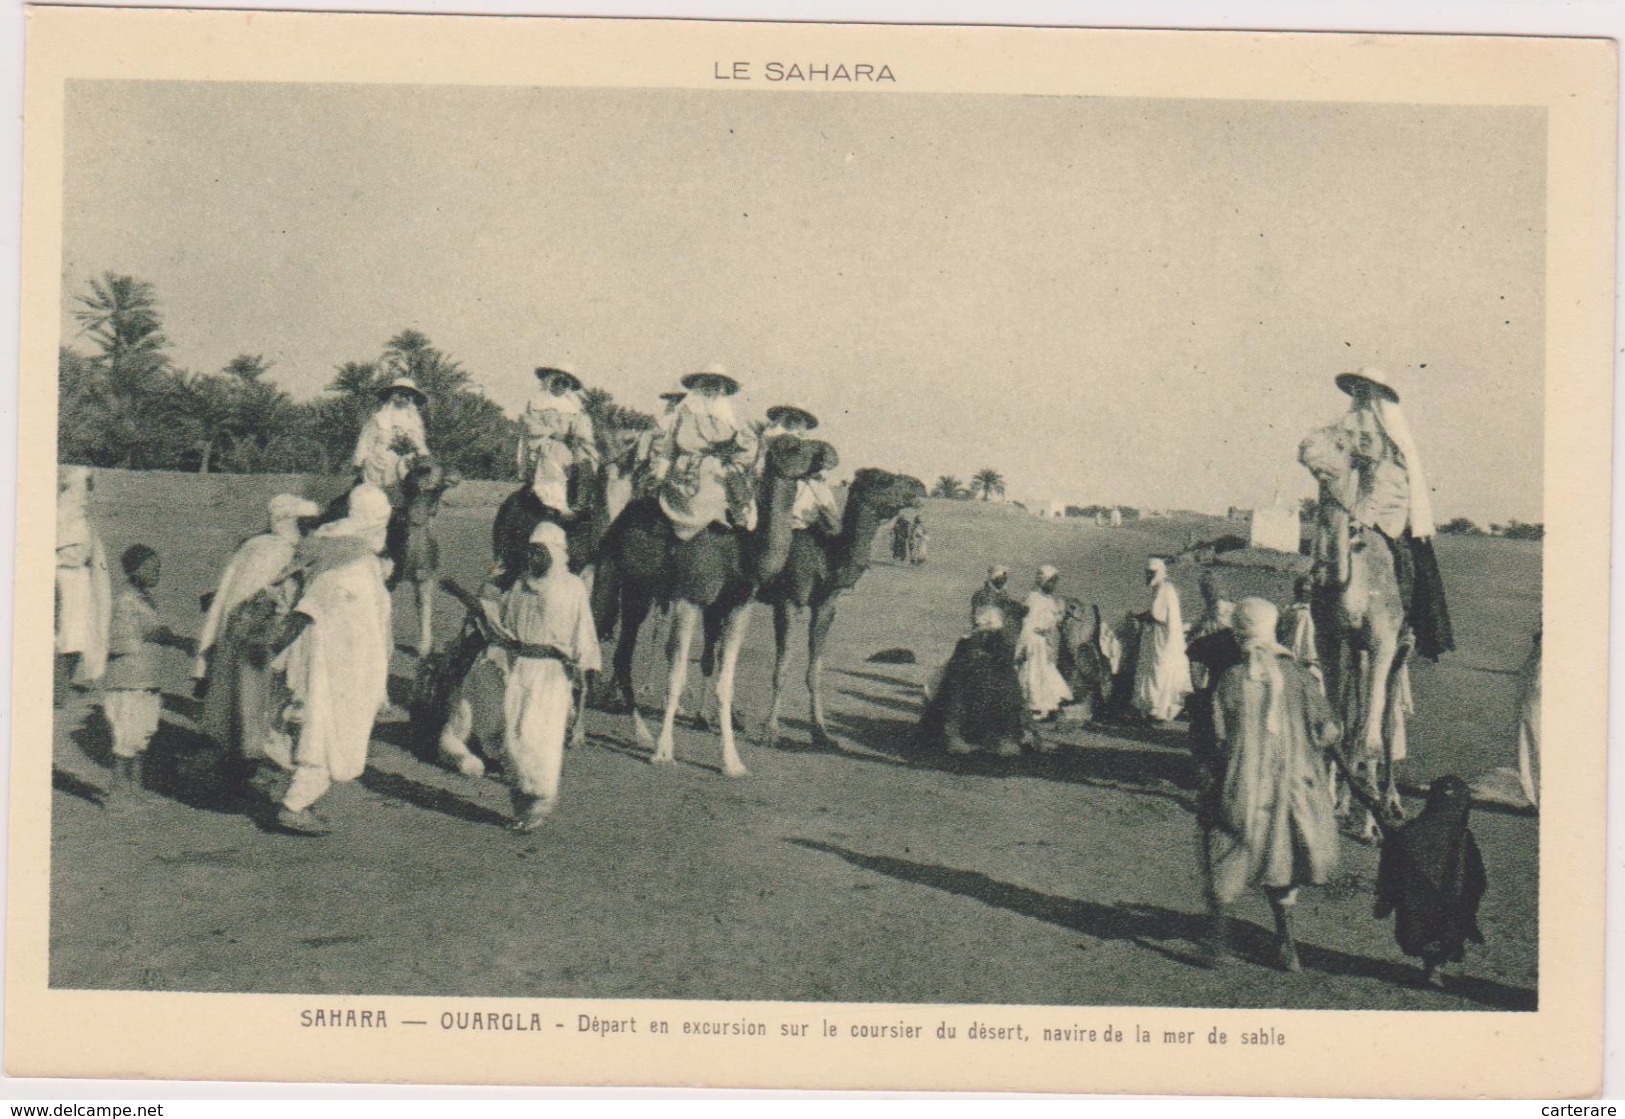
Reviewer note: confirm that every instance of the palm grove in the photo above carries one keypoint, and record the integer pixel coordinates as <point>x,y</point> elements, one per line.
<point>125,403</point>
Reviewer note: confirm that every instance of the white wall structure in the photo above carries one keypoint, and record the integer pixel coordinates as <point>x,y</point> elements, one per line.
<point>1276,528</point>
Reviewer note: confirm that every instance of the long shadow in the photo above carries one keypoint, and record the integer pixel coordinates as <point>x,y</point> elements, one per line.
<point>184,706</point>
<point>903,706</point>
<point>1169,738</point>
<point>182,763</point>
<point>1168,774</point>
<point>94,737</point>
<point>185,765</point>
<point>64,782</point>
<point>878,678</point>
<point>401,788</point>
<point>795,736</point>
<point>1145,924</point>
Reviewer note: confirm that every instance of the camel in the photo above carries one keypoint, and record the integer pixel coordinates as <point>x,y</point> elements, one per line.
<point>521,511</point>
<point>410,543</point>
<point>712,578</point>
<point>1361,627</point>
<point>1086,660</point>
<point>818,571</point>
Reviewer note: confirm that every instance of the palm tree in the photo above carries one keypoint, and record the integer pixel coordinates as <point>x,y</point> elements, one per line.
<point>948,486</point>
<point>127,378</point>
<point>987,482</point>
<point>410,354</point>
<point>121,316</point>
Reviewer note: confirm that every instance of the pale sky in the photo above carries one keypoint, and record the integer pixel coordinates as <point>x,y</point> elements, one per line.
<point>1106,300</point>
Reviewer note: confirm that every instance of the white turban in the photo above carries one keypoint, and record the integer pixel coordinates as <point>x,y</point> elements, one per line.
<point>286,507</point>
<point>1255,622</point>
<point>552,537</point>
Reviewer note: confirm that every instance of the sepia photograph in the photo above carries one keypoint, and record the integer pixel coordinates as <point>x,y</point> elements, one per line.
<point>798,539</point>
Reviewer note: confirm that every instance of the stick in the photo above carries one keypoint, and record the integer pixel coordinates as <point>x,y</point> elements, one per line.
<point>1369,802</point>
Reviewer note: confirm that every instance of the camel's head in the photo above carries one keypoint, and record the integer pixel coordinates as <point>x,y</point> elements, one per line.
<point>427,476</point>
<point>1327,453</point>
<point>790,456</point>
<point>886,493</point>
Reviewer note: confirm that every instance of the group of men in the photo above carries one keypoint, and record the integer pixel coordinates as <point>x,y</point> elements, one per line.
<point>698,459</point>
<point>292,660</point>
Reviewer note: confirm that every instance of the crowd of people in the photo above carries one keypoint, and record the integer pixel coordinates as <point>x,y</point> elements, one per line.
<point>1247,678</point>
<point>292,656</point>
<point>291,661</point>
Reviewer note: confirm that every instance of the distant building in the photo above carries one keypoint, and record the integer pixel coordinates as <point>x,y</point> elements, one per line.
<point>1275,528</point>
<point>1048,509</point>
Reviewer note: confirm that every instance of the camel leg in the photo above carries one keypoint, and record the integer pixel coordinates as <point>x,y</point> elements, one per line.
<point>1377,665</point>
<point>1393,725</point>
<point>685,618</point>
<point>454,737</point>
<point>426,589</point>
<point>633,611</point>
<point>733,640</point>
<point>781,657</point>
<point>823,618</point>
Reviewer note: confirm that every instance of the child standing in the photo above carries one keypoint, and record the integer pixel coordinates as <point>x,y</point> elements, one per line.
<point>131,701</point>
<point>1431,879</point>
<point>548,628</point>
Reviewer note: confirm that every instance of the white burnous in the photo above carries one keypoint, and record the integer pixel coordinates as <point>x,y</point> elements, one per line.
<point>338,666</point>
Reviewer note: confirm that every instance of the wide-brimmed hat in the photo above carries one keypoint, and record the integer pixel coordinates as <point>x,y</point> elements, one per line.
<point>781,412</point>
<point>406,385</point>
<point>1371,377</point>
<point>548,372</point>
<point>712,372</point>
<point>1048,572</point>
<point>672,396</point>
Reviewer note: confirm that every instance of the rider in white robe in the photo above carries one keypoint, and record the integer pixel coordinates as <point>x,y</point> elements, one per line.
<point>393,434</point>
<point>556,436</point>
<point>706,454</point>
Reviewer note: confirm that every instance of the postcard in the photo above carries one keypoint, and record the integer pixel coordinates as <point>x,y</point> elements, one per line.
<point>634,552</point>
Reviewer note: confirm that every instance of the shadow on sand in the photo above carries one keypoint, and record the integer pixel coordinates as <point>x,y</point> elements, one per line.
<point>1145,925</point>
<point>1160,768</point>
<point>396,786</point>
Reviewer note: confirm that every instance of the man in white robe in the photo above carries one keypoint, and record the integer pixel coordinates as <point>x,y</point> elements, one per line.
<point>84,589</point>
<point>1041,681</point>
<point>547,627</point>
<point>338,665</point>
<point>1162,676</point>
<point>242,697</point>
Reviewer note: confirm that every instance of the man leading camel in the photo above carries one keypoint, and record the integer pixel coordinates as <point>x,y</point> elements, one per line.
<point>1393,497</point>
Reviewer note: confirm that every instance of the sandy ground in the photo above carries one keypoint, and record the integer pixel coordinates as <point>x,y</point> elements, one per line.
<point>872,874</point>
